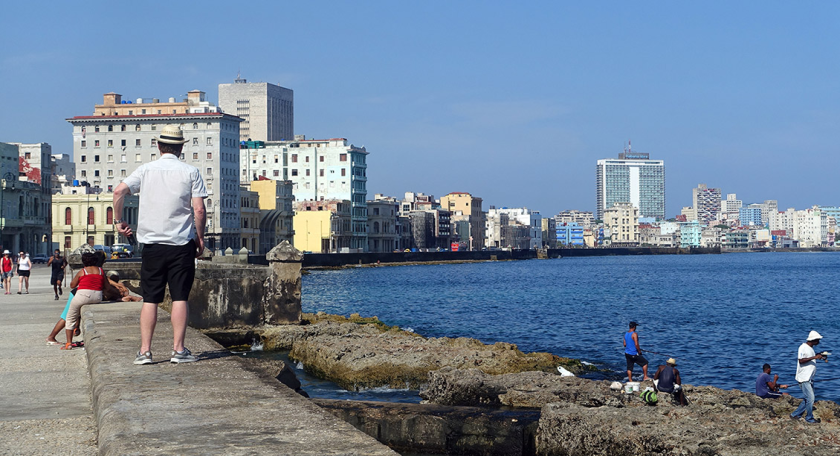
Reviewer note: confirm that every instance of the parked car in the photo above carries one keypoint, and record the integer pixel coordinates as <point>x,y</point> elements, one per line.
<point>39,258</point>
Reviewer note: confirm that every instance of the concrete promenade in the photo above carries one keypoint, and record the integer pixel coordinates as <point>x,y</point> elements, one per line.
<point>214,406</point>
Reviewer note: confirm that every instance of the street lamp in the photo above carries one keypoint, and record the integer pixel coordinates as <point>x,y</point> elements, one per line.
<point>8,177</point>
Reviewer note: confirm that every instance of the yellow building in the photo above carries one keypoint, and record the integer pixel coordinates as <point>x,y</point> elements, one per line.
<point>276,213</point>
<point>467,207</point>
<point>249,219</point>
<point>79,218</point>
<point>322,226</point>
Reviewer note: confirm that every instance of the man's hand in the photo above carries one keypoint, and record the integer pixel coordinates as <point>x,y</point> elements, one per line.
<point>124,229</point>
<point>199,247</point>
<point>783,386</point>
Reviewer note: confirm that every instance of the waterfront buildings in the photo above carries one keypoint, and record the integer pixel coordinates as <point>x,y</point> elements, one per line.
<point>706,203</point>
<point>466,208</point>
<point>730,207</point>
<point>580,218</point>
<point>622,220</point>
<point>267,110</point>
<point>249,216</point>
<point>632,178</point>
<point>63,171</point>
<point>750,215</point>
<point>523,230</point>
<point>25,198</point>
<point>569,234</point>
<point>276,212</point>
<point>689,213</point>
<point>323,226</point>
<point>549,232</point>
<point>690,234</point>
<point>81,215</point>
<point>122,135</point>
<point>319,169</point>
<point>383,225</point>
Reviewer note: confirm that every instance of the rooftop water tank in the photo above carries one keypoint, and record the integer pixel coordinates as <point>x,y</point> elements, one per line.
<point>75,182</point>
<point>172,99</point>
<point>139,101</point>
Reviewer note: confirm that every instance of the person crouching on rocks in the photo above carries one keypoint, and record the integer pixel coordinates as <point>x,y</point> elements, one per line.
<point>667,380</point>
<point>767,386</point>
<point>90,284</point>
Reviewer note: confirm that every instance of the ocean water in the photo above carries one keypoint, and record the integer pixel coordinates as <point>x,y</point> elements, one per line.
<point>721,316</point>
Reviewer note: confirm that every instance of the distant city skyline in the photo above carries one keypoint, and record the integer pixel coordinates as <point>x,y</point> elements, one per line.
<point>512,103</point>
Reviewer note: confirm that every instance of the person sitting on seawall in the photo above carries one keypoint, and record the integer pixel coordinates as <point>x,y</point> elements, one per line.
<point>90,284</point>
<point>667,380</point>
<point>24,267</point>
<point>121,291</point>
<point>767,386</point>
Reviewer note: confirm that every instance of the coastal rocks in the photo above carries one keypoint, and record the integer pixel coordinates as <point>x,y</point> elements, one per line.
<point>361,353</point>
<point>276,369</point>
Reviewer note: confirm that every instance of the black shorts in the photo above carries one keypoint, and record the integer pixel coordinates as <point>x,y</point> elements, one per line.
<point>56,278</point>
<point>23,273</point>
<point>167,264</point>
<point>640,360</point>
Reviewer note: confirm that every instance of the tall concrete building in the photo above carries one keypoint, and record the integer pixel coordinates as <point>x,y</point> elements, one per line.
<point>632,178</point>
<point>122,135</point>
<point>466,208</point>
<point>622,219</point>
<point>706,202</point>
<point>267,110</point>
<point>319,169</point>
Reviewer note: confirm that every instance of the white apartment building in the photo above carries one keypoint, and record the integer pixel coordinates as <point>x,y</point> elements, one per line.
<point>633,178</point>
<point>810,227</point>
<point>575,217</point>
<point>783,221</point>
<point>706,202</point>
<point>319,169</point>
<point>526,218</point>
<point>63,171</point>
<point>267,110</point>
<point>622,219</point>
<point>121,135</point>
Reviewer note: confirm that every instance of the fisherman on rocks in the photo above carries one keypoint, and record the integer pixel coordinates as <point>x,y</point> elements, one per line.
<point>805,369</point>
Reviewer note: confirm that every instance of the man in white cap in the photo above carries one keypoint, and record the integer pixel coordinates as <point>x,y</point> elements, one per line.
<point>170,193</point>
<point>805,369</point>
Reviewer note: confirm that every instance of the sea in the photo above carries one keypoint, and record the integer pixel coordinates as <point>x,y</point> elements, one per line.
<point>720,316</point>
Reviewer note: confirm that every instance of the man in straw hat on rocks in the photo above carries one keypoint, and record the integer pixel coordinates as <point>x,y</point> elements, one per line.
<point>171,203</point>
<point>667,380</point>
<point>805,370</point>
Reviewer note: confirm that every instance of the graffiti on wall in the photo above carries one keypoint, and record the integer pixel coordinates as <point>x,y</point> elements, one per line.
<point>32,173</point>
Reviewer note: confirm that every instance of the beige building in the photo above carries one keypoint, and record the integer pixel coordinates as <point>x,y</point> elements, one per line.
<point>267,110</point>
<point>121,136</point>
<point>462,204</point>
<point>249,215</point>
<point>383,225</point>
<point>79,217</point>
<point>622,219</point>
<point>323,226</point>
<point>276,212</point>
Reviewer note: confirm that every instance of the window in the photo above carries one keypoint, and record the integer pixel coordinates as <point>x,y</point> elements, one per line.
<point>66,242</point>
<point>137,158</point>
<point>322,173</point>
<point>110,173</point>
<point>96,173</point>
<point>110,128</point>
<point>209,155</point>
<point>68,216</point>
<point>137,127</point>
<point>84,143</point>
<point>130,112</point>
<point>91,216</point>
<point>294,158</point>
<point>276,173</point>
<point>110,143</point>
<point>195,126</point>
<point>84,158</point>
<point>154,127</point>
<point>122,142</point>
<point>109,216</point>
<point>96,128</point>
<point>154,142</point>
<point>343,157</point>
<point>307,159</point>
<point>343,172</point>
<point>96,158</point>
<point>122,173</point>
<point>210,171</point>
<point>294,172</point>
<point>209,141</point>
<point>96,143</point>
<point>195,141</point>
<point>110,158</point>
<point>142,111</point>
<point>307,172</point>
<point>122,127</point>
<point>195,155</point>
<point>321,159</point>
<point>84,173</point>
<point>136,143</point>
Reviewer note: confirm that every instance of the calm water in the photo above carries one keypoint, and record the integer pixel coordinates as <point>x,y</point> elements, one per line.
<point>721,316</point>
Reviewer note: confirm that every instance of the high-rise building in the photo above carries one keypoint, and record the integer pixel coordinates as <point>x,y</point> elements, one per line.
<point>319,169</point>
<point>466,208</point>
<point>632,178</point>
<point>267,110</point>
<point>122,135</point>
<point>574,217</point>
<point>706,203</point>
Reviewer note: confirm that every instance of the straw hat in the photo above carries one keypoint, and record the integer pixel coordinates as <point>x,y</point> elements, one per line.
<point>672,361</point>
<point>813,335</point>
<point>172,134</point>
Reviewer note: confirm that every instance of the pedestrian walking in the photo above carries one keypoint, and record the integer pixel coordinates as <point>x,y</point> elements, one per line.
<point>24,267</point>
<point>57,263</point>
<point>7,267</point>
<point>171,228</point>
<point>806,367</point>
<point>633,352</point>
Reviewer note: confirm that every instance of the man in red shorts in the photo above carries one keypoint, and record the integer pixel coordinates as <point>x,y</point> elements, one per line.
<point>171,191</point>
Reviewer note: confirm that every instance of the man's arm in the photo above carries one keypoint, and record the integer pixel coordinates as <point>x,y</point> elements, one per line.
<point>810,358</point>
<point>120,193</point>
<point>636,340</point>
<point>677,377</point>
<point>49,262</point>
<point>200,222</point>
<point>658,371</point>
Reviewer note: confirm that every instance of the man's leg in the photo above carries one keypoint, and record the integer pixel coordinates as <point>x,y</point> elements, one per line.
<point>644,372</point>
<point>148,319</point>
<point>808,392</point>
<point>630,375</point>
<point>180,314</point>
<point>802,405</point>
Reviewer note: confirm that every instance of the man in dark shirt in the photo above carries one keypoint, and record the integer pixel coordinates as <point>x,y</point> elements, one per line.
<point>767,386</point>
<point>667,380</point>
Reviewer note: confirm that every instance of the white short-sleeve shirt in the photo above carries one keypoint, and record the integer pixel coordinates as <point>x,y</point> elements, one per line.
<point>805,372</point>
<point>166,188</point>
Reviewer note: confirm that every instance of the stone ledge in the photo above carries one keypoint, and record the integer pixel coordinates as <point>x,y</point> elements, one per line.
<point>214,406</point>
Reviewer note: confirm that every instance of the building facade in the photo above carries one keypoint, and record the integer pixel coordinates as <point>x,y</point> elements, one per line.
<point>121,136</point>
<point>267,110</point>
<point>632,178</point>
<point>323,226</point>
<point>276,203</point>
<point>249,219</point>
<point>63,171</point>
<point>81,216</point>
<point>466,207</point>
<point>579,218</point>
<point>25,198</point>
<point>622,219</point>
<point>706,202</point>
<point>383,225</point>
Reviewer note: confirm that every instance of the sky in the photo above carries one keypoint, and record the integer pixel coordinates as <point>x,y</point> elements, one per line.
<point>513,102</point>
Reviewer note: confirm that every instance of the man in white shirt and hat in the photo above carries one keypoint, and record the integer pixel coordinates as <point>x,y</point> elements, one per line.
<point>171,228</point>
<point>805,369</point>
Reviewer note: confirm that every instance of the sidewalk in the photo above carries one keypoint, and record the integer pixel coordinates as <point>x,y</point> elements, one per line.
<point>45,406</point>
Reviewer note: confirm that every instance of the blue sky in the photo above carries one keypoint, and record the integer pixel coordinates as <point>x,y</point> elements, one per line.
<point>513,103</point>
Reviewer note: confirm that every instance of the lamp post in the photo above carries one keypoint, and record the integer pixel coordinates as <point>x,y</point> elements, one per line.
<point>7,178</point>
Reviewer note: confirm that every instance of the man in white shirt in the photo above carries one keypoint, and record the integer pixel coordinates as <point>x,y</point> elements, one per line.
<point>170,193</point>
<point>805,369</point>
